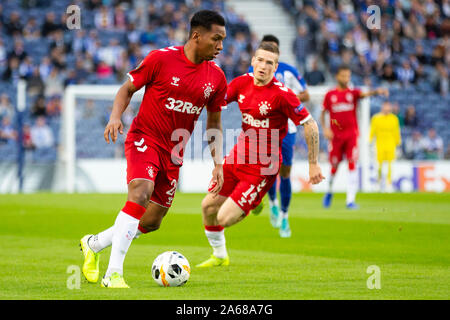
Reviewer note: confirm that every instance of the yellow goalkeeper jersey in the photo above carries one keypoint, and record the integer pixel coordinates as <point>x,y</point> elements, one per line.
<point>386,130</point>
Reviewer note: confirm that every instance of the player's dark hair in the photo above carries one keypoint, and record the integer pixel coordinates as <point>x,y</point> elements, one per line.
<point>205,19</point>
<point>270,38</point>
<point>343,67</point>
<point>269,47</point>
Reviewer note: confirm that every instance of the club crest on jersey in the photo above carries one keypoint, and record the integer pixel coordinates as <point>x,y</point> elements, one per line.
<point>349,97</point>
<point>333,99</point>
<point>241,98</point>
<point>151,172</point>
<point>175,81</point>
<point>264,106</point>
<point>207,89</point>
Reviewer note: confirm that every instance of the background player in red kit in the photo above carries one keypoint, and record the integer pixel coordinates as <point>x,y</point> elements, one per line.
<point>179,82</point>
<point>341,103</point>
<point>252,165</point>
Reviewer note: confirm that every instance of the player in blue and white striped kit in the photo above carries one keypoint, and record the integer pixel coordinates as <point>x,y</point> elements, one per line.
<point>291,78</point>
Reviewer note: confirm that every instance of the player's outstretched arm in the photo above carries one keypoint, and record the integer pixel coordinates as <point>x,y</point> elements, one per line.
<point>312,140</point>
<point>215,141</point>
<point>379,91</point>
<point>121,102</point>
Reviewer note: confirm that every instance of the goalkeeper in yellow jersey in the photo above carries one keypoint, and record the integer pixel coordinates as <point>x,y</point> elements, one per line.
<point>385,128</point>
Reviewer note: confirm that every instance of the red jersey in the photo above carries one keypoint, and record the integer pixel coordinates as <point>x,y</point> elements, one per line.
<point>176,91</point>
<point>265,113</point>
<point>342,105</point>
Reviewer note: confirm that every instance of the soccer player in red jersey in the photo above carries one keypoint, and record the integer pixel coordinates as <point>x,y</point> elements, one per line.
<point>252,165</point>
<point>341,103</point>
<point>179,82</point>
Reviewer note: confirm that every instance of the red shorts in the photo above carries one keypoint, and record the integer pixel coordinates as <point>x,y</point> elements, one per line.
<point>246,190</point>
<point>338,147</point>
<point>147,161</point>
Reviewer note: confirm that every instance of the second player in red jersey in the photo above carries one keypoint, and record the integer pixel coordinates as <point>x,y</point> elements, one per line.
<point>252,166</point>
<point>342,131</point>
<point>341,104</point>
<point>265,110</point>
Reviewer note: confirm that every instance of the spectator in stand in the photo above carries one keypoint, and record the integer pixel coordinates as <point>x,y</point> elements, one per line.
<point>13,27</point>
<point>18,51</point>
<point>31,31</point>
<point>432,26</point>
<point>446,11</point>
<point>242,25</point>
<point>58,58</point>
<point>104,18</point>
<point>228,67</point>
<point>104,70</point>
<point>42,134</point>
<point>54,106</point>
<point>91,41</point>
<point>413,28</point>
<point>39,109</point>
<point>154,16</point>
<point>405,73</point>
<point>27,141</point>
<point>110,53</point>
<point>420,76</point>
<point>420,54</point>
<point>79,42</point>
<point>314,76</point>
<point>11,74</point>
<point>168,12</point>
<point>49,24</point>
<point>396,45</point>
<point>301,46</point>
<point>6,108</point>
<point>54,84</point>
<point>81,72</point>
<point>433,145</point>
<point>71,77</point>
<point>45,68</point>
<point>414,146</point>
<point>7,132</point>
<point>410,119</point>
<point>58,41</point>
<point>388,75</point>
<point>438,54</point>
<point>35,84</point>
<point>441,82</point>
<point>26,68</point>
<point>120,18</point>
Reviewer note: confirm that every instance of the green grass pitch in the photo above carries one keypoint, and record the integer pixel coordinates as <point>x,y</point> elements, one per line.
<point>405,235</point>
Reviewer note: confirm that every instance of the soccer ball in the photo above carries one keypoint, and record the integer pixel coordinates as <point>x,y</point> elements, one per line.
<point>171,269</point>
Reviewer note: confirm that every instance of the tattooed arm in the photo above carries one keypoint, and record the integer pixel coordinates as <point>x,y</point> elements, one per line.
<point>312,140</point>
